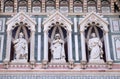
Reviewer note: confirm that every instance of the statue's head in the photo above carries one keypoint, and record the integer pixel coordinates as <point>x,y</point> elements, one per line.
<point>21,35</point>
<point>57,36</point>
<point>93,35</point>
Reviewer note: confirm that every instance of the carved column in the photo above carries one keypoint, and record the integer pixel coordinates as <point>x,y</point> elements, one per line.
<point>8,47</point>
<point>43,6</point>
<point>70,55</point>
<point>32,46</point>
<point>107,48</point>
<point>71,6</point>
<point>85,6</point>
<point>2,5</point>
<point>29,5</point>
<point>99,5</point>
<point>45,60</point>
<point>83,61</point>
<point>15,5</point>
<point>57,4</point>
<point>112,6</point>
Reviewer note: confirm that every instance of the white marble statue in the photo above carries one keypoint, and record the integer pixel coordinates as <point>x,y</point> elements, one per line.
<point>95,47</point>
<point>57,48</point>
<point>21,48</point>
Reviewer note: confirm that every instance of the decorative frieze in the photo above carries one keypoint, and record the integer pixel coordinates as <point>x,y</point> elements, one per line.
<point>60,75</point>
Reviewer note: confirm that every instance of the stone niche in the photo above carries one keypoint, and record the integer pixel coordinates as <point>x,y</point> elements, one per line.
<point>94,40</point>
<point>20,41</point>
<point>57,41</point>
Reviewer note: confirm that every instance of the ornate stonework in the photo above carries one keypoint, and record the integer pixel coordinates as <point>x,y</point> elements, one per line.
<point>64,39</point>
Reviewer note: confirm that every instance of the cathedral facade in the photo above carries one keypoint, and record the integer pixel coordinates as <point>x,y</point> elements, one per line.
<point>59,39</point>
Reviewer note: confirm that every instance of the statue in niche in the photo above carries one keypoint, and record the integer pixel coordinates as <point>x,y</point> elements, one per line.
<point>21,48</point>
<point>95,47</point>
<point>57,49</point>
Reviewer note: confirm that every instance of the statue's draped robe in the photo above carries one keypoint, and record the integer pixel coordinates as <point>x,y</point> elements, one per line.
<point>57,48</point>
<point>95,46</point>
<point>21,47</point>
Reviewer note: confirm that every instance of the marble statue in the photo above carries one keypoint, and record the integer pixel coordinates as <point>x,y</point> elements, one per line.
<point>96,48</point>
<point>21,48</point>
<point>57,48</point>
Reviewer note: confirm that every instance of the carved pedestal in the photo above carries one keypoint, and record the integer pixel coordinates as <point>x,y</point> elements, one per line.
<point>83,64</point>
<point>6,64</point>
<point>71,64</point>
<point>44,64</point>
<point>110,63</point>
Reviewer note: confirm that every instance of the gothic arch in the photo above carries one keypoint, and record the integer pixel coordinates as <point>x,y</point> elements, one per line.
<point>53,20</point>
<point>11,24</point>
<point>100,22</point>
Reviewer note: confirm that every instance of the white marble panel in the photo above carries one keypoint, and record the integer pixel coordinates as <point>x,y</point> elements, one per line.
<point>91,9</point>
<point>1,46</point>
<point>2,24</point>
<point>39,24</point>
<point>116,47</point>
<point>105,9</point>
<point>115,24</point>
<point>8,9</point>
<point>78,9</point>
<point>50,9</point>
<point>36,9</point>
<point>64,9</point>
<point>76,48</point>
<point>75,24</point>
<point>22,9</point>
<point>39,48</point>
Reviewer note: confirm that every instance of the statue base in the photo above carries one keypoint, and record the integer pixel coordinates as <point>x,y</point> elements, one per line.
<point>55,61</point>
<point>58,64</point>
<point>19,61</point>
<point>96,61</point>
